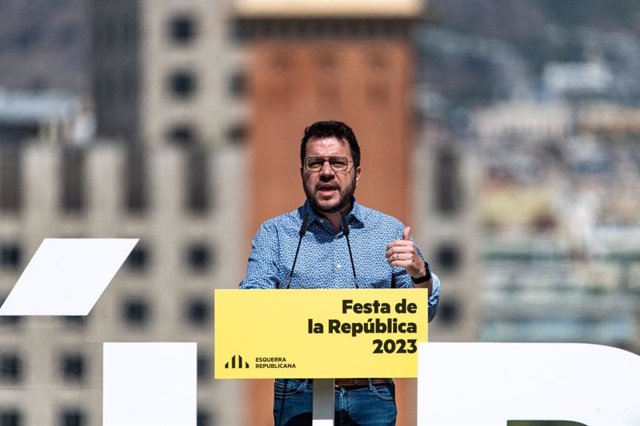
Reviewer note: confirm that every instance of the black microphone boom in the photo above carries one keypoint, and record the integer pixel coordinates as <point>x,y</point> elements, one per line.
<point>303,230</point>
<point>345,231</point>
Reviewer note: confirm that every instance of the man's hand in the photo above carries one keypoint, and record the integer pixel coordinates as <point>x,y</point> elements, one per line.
<point>403,253</point>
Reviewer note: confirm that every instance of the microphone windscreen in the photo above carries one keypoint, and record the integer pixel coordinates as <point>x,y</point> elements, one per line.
<point>344,224</point>
<point>305,223</point>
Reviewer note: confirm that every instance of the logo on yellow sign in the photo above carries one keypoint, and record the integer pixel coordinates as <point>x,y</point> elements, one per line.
<point>236,362</point>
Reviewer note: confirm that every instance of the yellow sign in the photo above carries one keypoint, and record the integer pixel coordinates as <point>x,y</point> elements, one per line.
<point>264,334</point>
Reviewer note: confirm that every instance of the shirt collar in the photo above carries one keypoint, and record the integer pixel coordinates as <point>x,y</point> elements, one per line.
<point>356,214</point>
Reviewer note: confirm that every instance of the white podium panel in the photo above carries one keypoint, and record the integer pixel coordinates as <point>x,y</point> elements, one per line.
<point>150,384</point>
<point>66,276</point>
<point>491,383</point>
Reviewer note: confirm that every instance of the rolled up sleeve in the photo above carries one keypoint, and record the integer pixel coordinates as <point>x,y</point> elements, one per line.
<point>262,269</point>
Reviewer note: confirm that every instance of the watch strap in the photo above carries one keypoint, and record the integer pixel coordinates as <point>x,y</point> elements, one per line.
<point>426,277</point>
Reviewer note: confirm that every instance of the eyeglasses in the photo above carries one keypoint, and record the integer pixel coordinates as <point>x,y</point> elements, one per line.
<point>338,164</point>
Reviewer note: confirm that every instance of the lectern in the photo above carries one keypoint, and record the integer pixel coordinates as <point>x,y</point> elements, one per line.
<point>268,334</point>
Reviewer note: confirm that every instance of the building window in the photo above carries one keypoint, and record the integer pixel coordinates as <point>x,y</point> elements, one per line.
<point>11,368</point>
<point>448,257</point>
<point>378,94</point>
<point>128,85</point>
<point>328,93</point>
<point>72,417</point>
<point>203,417</point>
<point>183,135</point>
<point>327,61</point>
<point>199,257</point>
<point>9,320</point>
<point>138,258</point>
<point>109,33</point>
<point>110,84</point>
<point>72,367</point>
<point>96,38</point>
<point>11,417</point>
<point>128,31</point>
<point>182,29</point>
<point>280,88</point>
<point>136,312</point>
<point>77,323</point>
<point>448,191</point>
<point>99,90</point>
<point>238,84</point>
<point>198,312</point>
<point>182,84</point>
<point>448,312</point>
<point>73,179</point>
<point>237,134</point>
<point>281,62</point>
<point>377,62</point>
<point>205,371</point>
<point>135,182</point>
<point>197,189</point>
<point>11,177</point>
<point>10,256</point>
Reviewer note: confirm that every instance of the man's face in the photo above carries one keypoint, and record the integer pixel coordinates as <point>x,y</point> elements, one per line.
<point>329,191</point>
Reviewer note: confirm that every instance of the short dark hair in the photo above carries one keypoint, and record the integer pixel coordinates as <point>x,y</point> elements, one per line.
<point>331,129</point>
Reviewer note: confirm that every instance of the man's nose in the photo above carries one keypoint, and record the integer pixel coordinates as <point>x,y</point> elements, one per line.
<point>326,169</point>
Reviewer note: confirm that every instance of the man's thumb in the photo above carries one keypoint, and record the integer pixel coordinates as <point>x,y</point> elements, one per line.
<point>406,233</point>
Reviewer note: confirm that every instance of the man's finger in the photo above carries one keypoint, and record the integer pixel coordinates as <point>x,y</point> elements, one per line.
<point>406,233</point>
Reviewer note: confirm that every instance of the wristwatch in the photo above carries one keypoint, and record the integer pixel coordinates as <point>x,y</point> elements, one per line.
<point>426,277</point>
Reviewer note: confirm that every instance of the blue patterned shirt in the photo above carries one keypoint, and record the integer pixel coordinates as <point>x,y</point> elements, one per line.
<point>323,260</point>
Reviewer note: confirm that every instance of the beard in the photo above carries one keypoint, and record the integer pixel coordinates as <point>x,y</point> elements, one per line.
<point>322,206</point>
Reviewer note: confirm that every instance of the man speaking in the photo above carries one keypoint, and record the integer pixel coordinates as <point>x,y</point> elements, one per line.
<point>331,241</point>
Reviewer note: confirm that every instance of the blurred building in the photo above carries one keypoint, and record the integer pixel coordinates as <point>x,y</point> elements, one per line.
<point>559,211</point>
<point>577,78</point>
<point>537,292</point>
<point>448,220</point>
<point>50,116</point>
<point>609,119</point>
<point>166,72</point>
<point>531,121</point>
<point>168,110</point>
<point>50,368</point>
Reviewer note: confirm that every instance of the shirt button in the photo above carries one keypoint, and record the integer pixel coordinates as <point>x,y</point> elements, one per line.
<point>338,265</point>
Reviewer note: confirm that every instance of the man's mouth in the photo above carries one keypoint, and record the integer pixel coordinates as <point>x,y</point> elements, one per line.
<point>326,190</point>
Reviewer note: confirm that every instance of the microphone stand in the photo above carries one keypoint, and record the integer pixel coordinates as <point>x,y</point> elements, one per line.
<point>345,231</point>
<point>303,230</point>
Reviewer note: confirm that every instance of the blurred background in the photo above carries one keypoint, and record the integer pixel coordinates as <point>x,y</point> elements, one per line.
<point>507,133</point>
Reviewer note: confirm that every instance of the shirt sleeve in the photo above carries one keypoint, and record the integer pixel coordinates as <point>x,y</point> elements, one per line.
<point>402,279</point>
<point>434,299</point>
<point>262,267</point>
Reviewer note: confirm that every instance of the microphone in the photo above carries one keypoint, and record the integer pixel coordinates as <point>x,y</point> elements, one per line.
<point>345,231</point>
<point>303,230</point>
